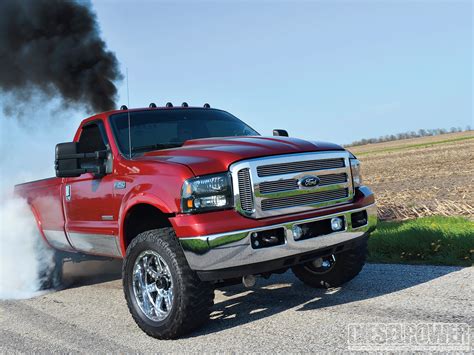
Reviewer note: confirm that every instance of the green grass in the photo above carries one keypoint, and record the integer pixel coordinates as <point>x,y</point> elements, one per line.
<point>410,146</point>
<point>429,240</point>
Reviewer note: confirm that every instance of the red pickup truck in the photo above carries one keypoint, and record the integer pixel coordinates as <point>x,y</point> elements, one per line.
<point>192,198</point>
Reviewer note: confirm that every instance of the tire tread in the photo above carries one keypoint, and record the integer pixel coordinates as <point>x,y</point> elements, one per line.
<point>350,265</point>
<point>197,297</point>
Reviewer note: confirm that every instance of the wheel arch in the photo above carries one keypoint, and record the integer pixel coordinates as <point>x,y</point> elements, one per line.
<point>139,215</point>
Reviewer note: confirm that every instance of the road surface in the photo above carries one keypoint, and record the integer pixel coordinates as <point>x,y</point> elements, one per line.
<point>279,315</point>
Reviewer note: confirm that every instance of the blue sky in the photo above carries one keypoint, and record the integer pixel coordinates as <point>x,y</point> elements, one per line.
<point>323,70</point>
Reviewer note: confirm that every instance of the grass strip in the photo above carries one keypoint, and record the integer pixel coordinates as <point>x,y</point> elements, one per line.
<point>410,146</point>
<point>428,240</point>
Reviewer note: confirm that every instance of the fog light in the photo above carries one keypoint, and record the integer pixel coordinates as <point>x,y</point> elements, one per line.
<point>297,232</point>
<point>255,241</point>
<point>337,224</point>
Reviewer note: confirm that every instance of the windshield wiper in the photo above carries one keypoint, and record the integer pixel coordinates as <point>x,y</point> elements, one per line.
<point>156,146</point>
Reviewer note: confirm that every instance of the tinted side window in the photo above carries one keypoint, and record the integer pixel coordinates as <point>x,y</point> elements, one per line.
<point>91,139</point>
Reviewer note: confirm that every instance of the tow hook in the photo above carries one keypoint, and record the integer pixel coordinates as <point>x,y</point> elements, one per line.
<point>249,280</point>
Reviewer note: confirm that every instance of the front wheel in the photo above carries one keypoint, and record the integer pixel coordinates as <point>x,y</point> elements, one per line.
<point>333,270</point>
<point>165,297</point>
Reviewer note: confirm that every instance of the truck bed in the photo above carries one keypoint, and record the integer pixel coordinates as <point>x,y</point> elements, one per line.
<point>45,199</point>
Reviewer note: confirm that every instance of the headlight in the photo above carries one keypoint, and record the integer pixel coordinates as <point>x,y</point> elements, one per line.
<point>207,193</point>
<point>355,170</point>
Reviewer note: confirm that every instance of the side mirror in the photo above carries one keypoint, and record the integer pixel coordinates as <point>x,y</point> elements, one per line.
<point>68,161</point>
<point>66,164</point>
<point>280,132</point>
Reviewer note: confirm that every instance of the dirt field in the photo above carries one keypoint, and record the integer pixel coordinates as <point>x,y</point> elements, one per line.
<point>421,176</point>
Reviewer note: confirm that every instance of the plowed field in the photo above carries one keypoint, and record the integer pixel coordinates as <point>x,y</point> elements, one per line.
<point>421,176</point>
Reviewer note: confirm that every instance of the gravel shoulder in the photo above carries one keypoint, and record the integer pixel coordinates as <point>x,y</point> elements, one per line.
<point>280,314</point>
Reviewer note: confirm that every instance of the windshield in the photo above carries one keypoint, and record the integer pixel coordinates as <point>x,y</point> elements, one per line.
<point>161,129</point>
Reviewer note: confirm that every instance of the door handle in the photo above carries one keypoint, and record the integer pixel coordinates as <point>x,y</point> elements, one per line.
<point>68,193</point>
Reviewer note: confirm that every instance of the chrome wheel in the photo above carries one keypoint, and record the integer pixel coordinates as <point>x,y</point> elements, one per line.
<point>153,285</point>
<point>321,265</point>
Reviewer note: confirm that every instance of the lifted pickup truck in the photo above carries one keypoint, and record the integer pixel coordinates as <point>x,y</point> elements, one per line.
<point>192,198</point>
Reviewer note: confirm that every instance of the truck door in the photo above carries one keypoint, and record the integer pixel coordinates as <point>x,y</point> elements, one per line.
<point>90,211</point>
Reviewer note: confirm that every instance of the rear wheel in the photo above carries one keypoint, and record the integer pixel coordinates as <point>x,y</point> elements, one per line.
<point>333,270</point>
<point>52,275</point>
<point>165,297</point>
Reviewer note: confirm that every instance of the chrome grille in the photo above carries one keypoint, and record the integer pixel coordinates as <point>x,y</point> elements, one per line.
<point>299,166</point>
<point>269,187</point>
<point>304,199</point>
<point>272,186</point>
<point>331,179</point>
<point>245,190</point>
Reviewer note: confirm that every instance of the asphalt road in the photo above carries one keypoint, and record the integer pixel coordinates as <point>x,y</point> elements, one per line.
<point>280,314</point>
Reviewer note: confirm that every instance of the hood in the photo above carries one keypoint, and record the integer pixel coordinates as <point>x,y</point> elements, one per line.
<point>214,155</point>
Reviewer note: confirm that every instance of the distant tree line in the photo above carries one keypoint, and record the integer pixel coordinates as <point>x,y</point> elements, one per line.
<point>407,135</point>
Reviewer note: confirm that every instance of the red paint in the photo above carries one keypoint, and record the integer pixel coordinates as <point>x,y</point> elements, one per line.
<point>44,197</point>
<point>156,178</point>
<point>213,155</point>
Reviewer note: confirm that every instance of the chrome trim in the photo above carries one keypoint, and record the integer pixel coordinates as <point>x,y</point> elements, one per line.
<point>153,285</point>
<point>103,244</point>
<point>232,249</point>
<point>326,196</point>
<point>245,184</point>
<point>107,217</point>
<point>57,239</point>
<point>68,193</point>
<point>258,197</point>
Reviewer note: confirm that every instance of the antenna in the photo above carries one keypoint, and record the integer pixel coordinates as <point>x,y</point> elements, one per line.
<point>129,125</point>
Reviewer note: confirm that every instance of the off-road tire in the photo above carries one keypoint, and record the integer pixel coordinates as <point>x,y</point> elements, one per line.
<point>348,265</point>
<point>51,276</point>
<point>193,298</point>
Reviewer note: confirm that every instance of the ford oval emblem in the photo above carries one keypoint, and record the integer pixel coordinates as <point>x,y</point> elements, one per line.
<point>308,181</point>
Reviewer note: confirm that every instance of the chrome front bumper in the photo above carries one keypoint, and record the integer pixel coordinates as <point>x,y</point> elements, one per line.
<point>233,249</point>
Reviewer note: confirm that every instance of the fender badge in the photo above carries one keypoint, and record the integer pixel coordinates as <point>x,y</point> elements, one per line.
<point>120,185</point>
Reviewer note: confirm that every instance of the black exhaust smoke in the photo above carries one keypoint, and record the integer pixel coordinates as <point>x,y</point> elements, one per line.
<point>54,47</point>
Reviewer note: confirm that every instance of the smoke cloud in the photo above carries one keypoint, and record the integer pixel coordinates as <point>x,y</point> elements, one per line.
<point>53,47</point>
<point>26,154</point>
<point>23,254</point>
<point>50,52</point>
